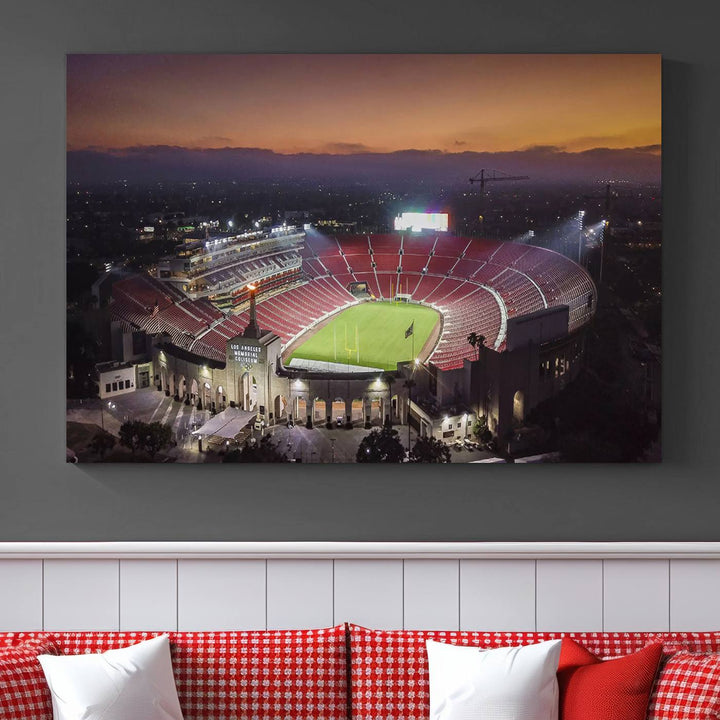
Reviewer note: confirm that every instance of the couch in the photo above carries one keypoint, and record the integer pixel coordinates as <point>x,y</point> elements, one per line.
<point>352,672</point>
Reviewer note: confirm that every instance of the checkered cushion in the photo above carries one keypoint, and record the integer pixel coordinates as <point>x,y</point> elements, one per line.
<point>687,688</point>
<point>24,692</point>
<point>262,675</point>
<point>691,642</point>
<point>389,671</point>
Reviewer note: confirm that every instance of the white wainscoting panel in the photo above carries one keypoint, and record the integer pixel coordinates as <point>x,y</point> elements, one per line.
<point>569,595</point>
<point>148,595</point>
<point>497,595</point>
<point>221,595</point>
<point>431,595</point>
<point>694,595</point>
<point>369,593</point>
<point>21,595</point>
<point>82,594</point>
<point>635,595</point>
<point>299,594</point>
<point>473,586</point>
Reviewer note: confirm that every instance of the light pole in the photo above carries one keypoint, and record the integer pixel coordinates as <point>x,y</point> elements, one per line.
<point>581,215</point>
<point>111,406</point>
<point>602,249</point>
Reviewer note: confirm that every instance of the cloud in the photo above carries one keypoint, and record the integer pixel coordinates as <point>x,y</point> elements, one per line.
<point>620,141</point>
<point>647,148</point>
<point>345,148</point>
<point>460,142</point>
<point>540,149</point>
<point>211,141</point>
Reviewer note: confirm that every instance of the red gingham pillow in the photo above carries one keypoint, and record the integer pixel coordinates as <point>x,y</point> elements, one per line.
<point>691,642</point>
<point>24,692</point>
<point>687,688</point>
<point>265,675</point>
<point>245,675</point>
<point>389,669</point>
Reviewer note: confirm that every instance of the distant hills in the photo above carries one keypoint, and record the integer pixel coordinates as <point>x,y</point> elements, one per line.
<point>543,164</point>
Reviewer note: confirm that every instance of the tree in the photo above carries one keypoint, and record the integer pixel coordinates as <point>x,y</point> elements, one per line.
<point>130,434</point>
<point>381,446</point>
<point>266,451</point>
<point>429,450</point>
<point>472,338</point>
<point>157,437</point>
<point>102,442</point>
<point>481,431</point>
<point>151,437</point>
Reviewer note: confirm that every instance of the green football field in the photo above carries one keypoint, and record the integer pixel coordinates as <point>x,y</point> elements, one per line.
<point>371,334</point>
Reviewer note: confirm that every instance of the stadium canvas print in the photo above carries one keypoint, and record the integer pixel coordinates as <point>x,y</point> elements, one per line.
<point>364,258</point>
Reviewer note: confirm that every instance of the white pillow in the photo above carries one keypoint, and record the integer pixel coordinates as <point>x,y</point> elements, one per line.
<point>513,683</point>
<point>127,684</point>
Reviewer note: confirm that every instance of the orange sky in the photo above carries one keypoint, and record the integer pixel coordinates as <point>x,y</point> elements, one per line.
<point>345,103</point>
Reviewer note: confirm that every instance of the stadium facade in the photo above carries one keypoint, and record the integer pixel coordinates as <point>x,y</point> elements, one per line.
<point>222,317</point>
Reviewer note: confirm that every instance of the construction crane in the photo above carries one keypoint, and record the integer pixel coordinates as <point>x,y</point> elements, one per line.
<point>486,175</point>
<point>608,197</point>
<point>494,176</point>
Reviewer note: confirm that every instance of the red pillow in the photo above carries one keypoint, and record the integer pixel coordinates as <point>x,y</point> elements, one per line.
<point>24,692</point>
<point>617,689</point>
<point>689,687</point>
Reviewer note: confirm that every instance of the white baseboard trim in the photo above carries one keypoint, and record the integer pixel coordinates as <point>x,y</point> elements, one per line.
<point>361,550</point>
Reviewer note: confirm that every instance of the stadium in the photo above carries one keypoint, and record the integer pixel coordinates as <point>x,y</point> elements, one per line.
<point>293,324</point>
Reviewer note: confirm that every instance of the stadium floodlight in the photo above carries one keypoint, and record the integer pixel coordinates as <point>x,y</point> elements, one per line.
<point>230,223</point>
<point>417,361</point>
<point>250,286</point>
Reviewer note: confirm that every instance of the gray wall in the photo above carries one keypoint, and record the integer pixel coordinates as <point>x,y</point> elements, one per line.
<point>41,498</point>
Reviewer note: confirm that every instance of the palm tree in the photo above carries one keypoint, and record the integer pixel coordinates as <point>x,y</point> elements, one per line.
<point>472,338</point>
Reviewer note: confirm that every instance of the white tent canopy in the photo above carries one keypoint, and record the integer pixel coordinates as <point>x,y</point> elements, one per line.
<point>226,424</point>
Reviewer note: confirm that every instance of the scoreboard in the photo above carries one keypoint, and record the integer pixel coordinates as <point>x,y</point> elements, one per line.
<point>417,221</point>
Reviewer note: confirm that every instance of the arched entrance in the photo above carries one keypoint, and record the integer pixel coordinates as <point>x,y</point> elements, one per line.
<point>301,410</point>
<point>181,387</point>
<point>206,395</point>
<point>280,407</point>
<point>375,411</point>
<point>247,391</point>
<point>164,380</point>
<point>357,410</point>
<point>338,410</point>
<point>194,391</point>
<point>319,413</point>
<point>519,407</point>
<point>219,399</point>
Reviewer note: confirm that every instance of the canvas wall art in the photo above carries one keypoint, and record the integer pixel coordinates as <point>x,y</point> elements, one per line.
<point>364,258</point>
